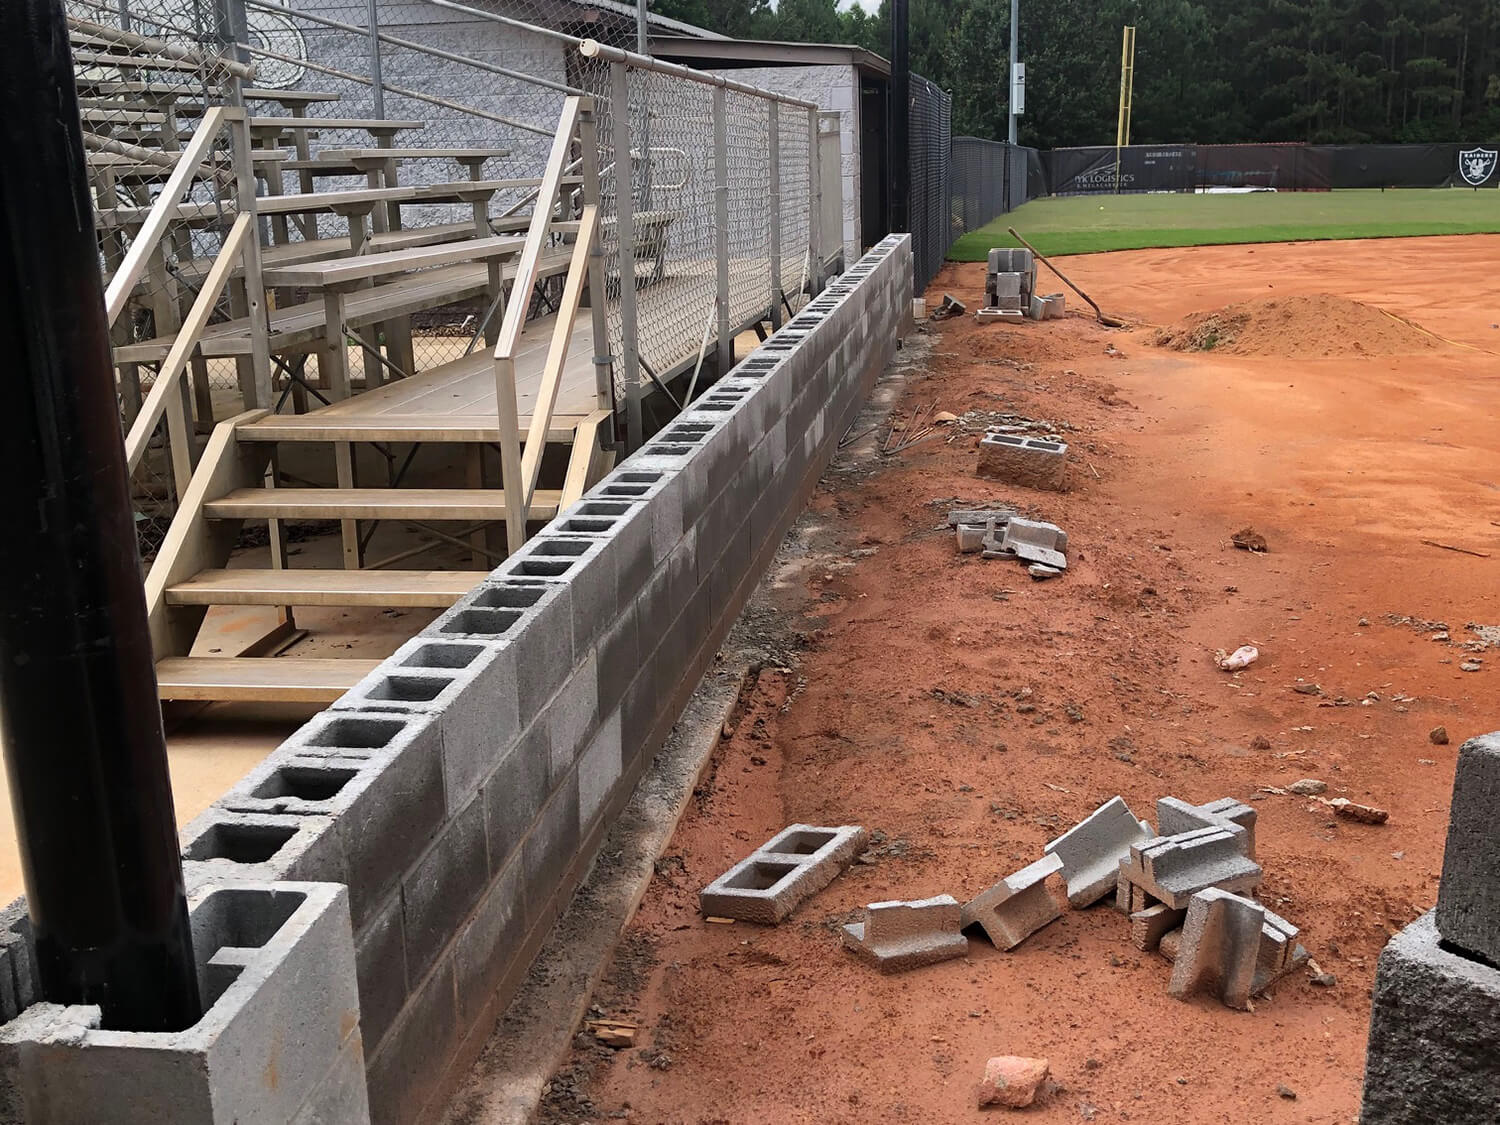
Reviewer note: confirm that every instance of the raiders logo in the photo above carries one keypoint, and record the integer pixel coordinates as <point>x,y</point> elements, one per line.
<point>1476,165</point>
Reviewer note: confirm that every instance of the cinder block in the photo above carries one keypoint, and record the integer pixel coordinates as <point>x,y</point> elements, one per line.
<point>1174,817</point>
<point>380,966</point>
<point>1279,952</point>
<point>405,1073</point>
<point>599,769</point>
<point>1172,869</point>
<point>1054,306</point>
<point>221,847</point>
<point>1092,849</point>
<point>488,943</point>
<point>1010,259</point>
<point>385,814</point>
<point>1032,541</point>
<point>773,880</point>
<point>572,716</point>
<point>1026,461</point>
<point>552,843</point>
<point>440,890</point>
<point>1468,905</point>
<point>469,686</point>
<point>1434,1023</point>
<point>277,964</point>
<point>1004,308</point>
<point>896,936</point>
<point>1148,926</point>
<point>1003,284</point>
<point>1219,948</point>
<point>1017,906</point>
<point>516,791</point>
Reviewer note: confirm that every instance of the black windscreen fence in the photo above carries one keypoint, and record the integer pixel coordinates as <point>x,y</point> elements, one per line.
<point>1289,167</point>
<point>930,139</point>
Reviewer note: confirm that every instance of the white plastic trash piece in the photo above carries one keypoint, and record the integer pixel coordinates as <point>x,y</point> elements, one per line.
<point>1242,657</point>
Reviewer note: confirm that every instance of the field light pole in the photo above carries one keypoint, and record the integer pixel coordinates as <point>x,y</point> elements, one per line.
<point>1010,102</point>
<point>82,730</point>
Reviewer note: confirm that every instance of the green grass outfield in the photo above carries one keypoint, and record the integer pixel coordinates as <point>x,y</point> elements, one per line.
<point>1086,224</point>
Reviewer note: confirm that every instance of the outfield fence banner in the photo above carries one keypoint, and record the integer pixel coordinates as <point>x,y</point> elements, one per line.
<point>1277,167</point>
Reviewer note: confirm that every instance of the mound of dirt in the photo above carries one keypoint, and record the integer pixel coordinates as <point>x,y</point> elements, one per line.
<point>1319,325</point>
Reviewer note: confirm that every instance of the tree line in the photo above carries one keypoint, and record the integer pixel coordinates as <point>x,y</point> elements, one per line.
<point>1206,71</point>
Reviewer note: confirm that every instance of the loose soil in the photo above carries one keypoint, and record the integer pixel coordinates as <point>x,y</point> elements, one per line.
<point>1296,327</point>
<point>966,715</point>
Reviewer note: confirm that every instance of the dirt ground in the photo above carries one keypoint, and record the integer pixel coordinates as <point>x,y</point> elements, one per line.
<point>966,715</point>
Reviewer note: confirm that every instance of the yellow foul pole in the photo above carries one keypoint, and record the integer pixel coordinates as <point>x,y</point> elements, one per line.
<point>1127,96</point>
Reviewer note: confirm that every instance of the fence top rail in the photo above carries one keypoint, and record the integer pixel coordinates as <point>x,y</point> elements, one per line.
<point>147,45</point>
<point>593,49</point>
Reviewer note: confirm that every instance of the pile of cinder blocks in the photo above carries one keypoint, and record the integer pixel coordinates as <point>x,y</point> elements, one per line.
<point>1009,283</point>
<point>1185,888</point>
<point>1435,1018</point>
<point>999,533</point>
<point>1185,885</point>
<point>1010,289</point>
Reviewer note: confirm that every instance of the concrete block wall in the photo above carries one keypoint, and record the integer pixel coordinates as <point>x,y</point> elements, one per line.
<point>461,790</point>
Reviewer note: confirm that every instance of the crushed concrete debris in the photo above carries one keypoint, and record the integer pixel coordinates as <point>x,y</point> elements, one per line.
<point>1248,539</point>
<point>950,306</point>
<point>1041,573</point>
<point>1011,1081</point>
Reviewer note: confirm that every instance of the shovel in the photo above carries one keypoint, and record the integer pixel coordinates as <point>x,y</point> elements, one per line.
<point>1107,321</point>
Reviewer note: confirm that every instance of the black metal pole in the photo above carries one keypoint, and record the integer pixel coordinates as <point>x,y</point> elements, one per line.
<point>82,730</point>
<point>900,117</point>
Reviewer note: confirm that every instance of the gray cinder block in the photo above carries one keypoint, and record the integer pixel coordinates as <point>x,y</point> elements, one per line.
<point>222,847</point>
<point>443,886</point>
<point>1003,284</point>
<point>1219,948</point>
<point>1172,869</point>
<point>1149,926</point>
<point>896,936</point>
<point>791,866</point>
<point>1033,541</point>
<point>1010,259</point>
<point>277,965</point>
<point>1017,906</point>
<point>1091,850</point>
<point>384,815</point>
<point>1026,461</point>
<point>1468,906</point>
<point>1174,817</point>
<point>1434,1026</point>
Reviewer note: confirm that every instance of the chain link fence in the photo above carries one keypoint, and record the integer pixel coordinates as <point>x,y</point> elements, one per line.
<point>931,212</point>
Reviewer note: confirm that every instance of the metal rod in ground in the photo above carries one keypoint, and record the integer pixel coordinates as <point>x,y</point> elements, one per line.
<point>83,745</point>
<point>1107,321</point>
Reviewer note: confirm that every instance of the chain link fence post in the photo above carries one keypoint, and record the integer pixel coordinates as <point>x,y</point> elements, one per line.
<point>774,135</point>
<point>619,96</point>
<point>721,228</point>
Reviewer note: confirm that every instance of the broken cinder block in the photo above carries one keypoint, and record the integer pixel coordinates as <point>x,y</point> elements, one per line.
<point>896,936</point>
<point>1028,461</point>
<point>1219,947</point>
<point>1017,906</point>
<point>796,863</point>
<point>1171,869</point>
<point>1174,817</point>
<point>1091,850</point>
<point>1032,541</point>
<point>1149,926</point>
<point>1226,941</point>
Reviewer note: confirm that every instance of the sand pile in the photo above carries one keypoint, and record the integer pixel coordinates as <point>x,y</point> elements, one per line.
<point>1319,325</point>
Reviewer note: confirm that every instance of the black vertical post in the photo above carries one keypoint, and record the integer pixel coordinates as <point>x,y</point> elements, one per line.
<point>899,113</point>
<point>79,716</point>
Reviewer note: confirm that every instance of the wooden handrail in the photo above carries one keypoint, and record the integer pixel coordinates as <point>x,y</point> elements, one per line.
<point>164,392</point>
<point>515,320</point>
<point>163,211</point>
<point>557,351</point>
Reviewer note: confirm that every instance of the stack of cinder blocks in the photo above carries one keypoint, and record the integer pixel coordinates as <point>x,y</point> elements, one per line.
<point>1009,283</point>
<point>462,789</point>
<point>1435,1018</point>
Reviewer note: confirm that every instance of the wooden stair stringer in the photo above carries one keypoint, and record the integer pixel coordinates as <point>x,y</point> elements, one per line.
<point>195,542</point>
